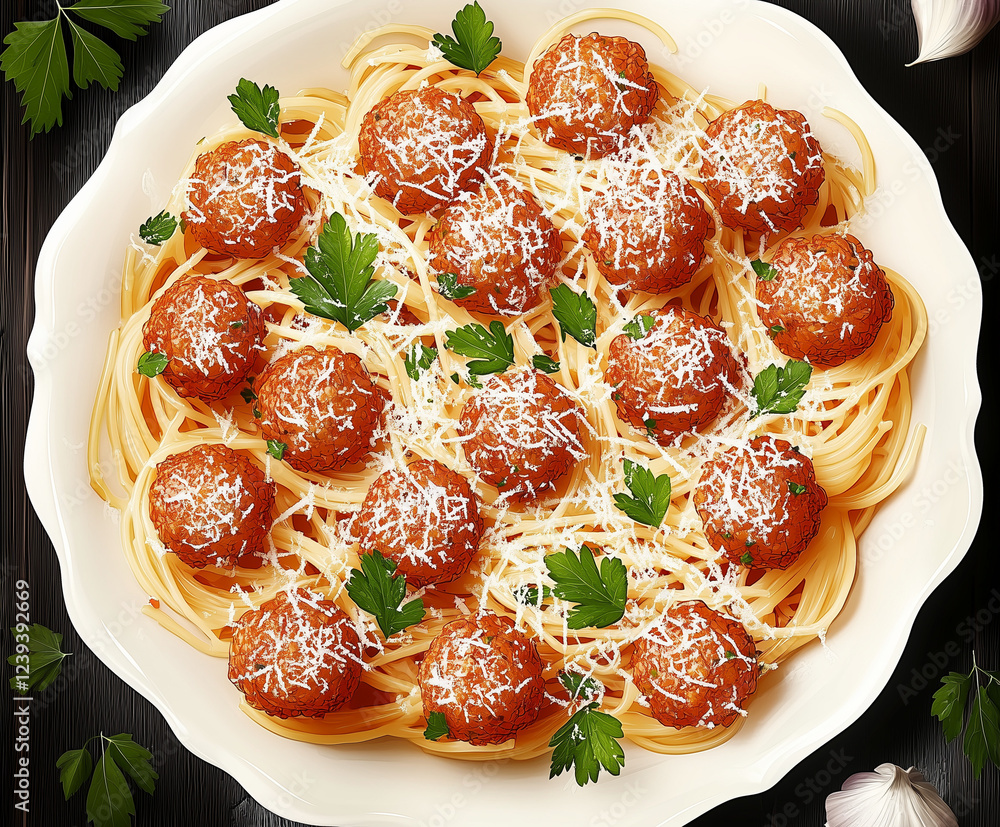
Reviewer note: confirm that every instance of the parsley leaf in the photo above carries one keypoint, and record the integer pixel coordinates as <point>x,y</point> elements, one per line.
<point>152,364</point>
<point>339,285</point>
<point>587,742</point>
<point>747,559</point>
<point>376,591</point>
<point>257,108</point>
<point>492,350</point>
<point>765,272</point>
<point>796,488</point>
<point>44,656</point>
<point>36,61</point>
<point>74,768</point>
<point>545,364</point>
<point>449,287</point>
<point>418,359</point>
<point>982,735</point>
<point>640,326</point>
<point>600,594</point>
<point>779,390</point>
<point>576,314</point>
<point>109,799</point>
<point>474,47</point>
<point>158,228</point>
<point>650,495</point>
<point>276,448</point>
<point>437,726</point>
<point>580,687</point>
<point>528,595</point>
<point>126,18</point>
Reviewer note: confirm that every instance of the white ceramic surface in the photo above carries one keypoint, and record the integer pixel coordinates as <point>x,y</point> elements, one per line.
<point>914,542</point>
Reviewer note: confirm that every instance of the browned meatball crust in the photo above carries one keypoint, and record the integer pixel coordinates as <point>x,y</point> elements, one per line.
<point>425,518</point>
<point>245,199</point>
<point>522,432</point>
<point>322,405</point>
<point>696,667</point>
<point>647,230</point>
<point>211,334</point>
<point>296,654</point>
<point>497,240</point>
<point>674,379</point>
<point>760,503</point>
<point>586,93</point>
<point>827,301</point>
<point>485,677</point>
<point>423,147</point>
<point>210,505</point>
<point>762,167</point>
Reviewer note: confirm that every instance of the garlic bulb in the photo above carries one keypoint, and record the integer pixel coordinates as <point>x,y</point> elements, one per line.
<point>888,797</point>
<point>951,27</point>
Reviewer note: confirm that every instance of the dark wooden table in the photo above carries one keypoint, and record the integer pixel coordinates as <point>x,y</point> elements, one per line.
<point>952,108</point>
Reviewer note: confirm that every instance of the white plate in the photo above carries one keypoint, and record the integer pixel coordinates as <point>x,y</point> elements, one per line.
<point>914,542</point>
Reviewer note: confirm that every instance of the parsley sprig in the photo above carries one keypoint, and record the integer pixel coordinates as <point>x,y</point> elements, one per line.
<point>492,350</point>
<point>437,726</point>
<point>43,659</point>
<point>580,687</point>
<point>764,271</point>
<point>640,326</point>
<point>576,314</point>
<point>599,593</point>
<point>587,742</point>
<point>650,497</point>
<point>37,62</point>
<point>340,283</point>
<point>546,364</point>
<point>473,47</point>
<point>109,799</point>
<point>376,591</point>
<point>779,390</point>
<point>449,287</point>
<point>257,108</point>
<point>982,734</point>
<point>158,228</point>
<point>151,363</point>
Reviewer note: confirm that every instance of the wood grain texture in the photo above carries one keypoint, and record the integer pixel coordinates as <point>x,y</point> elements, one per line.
<point>951,108</point>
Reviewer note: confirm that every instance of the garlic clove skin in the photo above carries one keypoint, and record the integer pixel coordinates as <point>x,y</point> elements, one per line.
<point>951,27</point>
<point>888,797</point>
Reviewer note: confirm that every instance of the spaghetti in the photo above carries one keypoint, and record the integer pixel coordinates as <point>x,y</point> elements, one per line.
<point>854,421</point>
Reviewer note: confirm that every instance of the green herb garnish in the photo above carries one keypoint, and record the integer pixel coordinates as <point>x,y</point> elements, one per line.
<point>276,448</point>
<point>152,364</point>
<point>473,47</point>
<point>580,687</point>
<point>765,272</point>
<point>599,593</point>
<point>532,595</point>
<point>437,726</point>
<point>380,594</point>
<point>650,495</point>
<point>257,108</point>
<point>576,314</point>
<point>492,350</point>
<point>38,666</point>
<point>158,228</point>
<point>639,326</point>
<point>545,364</point>
<point>418,359</point>
<point>587,742</point>
<point>449,287</point>
<point>747,559</point>
<point>779,390</point>
<point>796,488</point>
<point>36,60</point>
<point>340,283</point>
<point>982,734</point>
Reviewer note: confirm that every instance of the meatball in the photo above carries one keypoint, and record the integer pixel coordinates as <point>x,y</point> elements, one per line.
<point>647,230</point>
<point>522,432</point>
<point>423,147</point>
<point>760,503</point>
<point>762,167</point>
<point>674,379</point>
<point>696,667</point>
<point>210,505</point>
<point>484,676</point>
<point>210,333</point>
<point>245,199</point>
<point>425,518</point>
<point>827,300</point>
<point>322,405</point>
<point>586,93</point>
<point>498,241</point>
<point>297,654</point>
